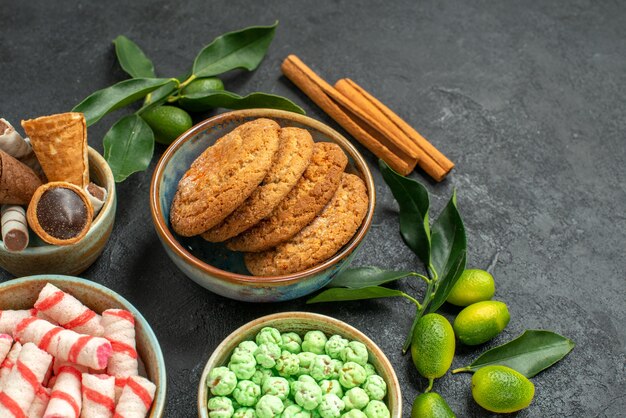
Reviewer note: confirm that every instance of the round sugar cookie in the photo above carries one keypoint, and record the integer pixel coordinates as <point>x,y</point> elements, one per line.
<point>294,155</point>
<point>303,203</point>
<point>319,240</point>
<point>223,177</point>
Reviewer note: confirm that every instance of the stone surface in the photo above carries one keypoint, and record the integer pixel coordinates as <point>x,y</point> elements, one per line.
<point>526,97</point>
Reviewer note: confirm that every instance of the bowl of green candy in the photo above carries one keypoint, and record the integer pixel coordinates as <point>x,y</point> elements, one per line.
<point>298,365</point>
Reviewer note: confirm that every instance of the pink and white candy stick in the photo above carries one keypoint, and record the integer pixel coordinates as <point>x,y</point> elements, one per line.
<point>64,344</point>
<point>57,364</point>
<point>38,407</point>
<point>24,381</point>
<point>9,362</point>
<point>6,342</point>
<point>136,398</point>
<point>119,329</point>
<point>98,396</point>
<point>66,396</point>
<point>68,311</point>
<point>9,319</point>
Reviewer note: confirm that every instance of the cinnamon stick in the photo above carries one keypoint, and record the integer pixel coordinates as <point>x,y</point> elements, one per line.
<point>433,161</point>
<point>317,90</point>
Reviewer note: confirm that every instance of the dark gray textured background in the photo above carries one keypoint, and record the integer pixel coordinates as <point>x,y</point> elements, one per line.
<point>527,97</point>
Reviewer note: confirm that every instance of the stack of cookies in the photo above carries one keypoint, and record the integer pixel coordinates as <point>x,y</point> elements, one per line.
<point>274,194</point>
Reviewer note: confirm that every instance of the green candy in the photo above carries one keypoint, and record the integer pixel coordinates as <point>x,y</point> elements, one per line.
<point>375,387</point>
<point>267,354</point>
<point>242,364</point>
<point>291,342</point>
<point>246,393</point>
<point>355,352</point>
<point>220,407</point>
<point>269,406</point>
<point>356,398</point>
<point>246,347</point>
<point>307,393</point>
<point>288,402</point>
<point>335,346</point>
<point>351,375</point>
<point>277,386</point>
<point>376,409</point>
<point>314,341</point>
<point>221,381</point>
<point>331,406</point>
<point>287,364</point>
<point>306,361</point>
<point>322,367</point>
<point>295,411</point>
<point>261,374</point>
<point>331,386</point>
<point>244,413</point>
<point>269,335</point>
<point>354,413</point>
<point>369,369</point>
<point>336,366</point>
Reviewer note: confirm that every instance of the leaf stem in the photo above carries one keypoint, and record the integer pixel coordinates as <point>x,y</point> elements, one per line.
<point>461,370</point>
<point>430,292</point>
<point>431,381</point>
<point>186,82</point>
<point>421,276</point>
<point>415,301</point>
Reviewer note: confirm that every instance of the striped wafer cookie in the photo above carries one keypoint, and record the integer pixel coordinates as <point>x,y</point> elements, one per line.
<point>136,398</point>
<point>9,319</point>
<point>68,311</point>
<point>65,344</point>
<point>98,396</point>
<point>9,362</point>
<point>6,342</point>
<point>38,407</point>
<point>66,397</point>
<point>119,329</point>
<point>24,381</point>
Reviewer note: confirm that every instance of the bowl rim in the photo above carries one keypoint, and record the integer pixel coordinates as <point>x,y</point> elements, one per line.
<point>168,238</point>
<point>360,336</point>
<point>158,406</point>
<point>98,220</point>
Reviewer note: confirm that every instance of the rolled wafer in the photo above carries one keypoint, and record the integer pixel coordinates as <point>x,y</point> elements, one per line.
<point>60,143</point>
<point>58,364</point>
<point>66,397</point>
<point>65,344</point>
<point>10,318</point>
<point>17,181</point>
<point>38,407</point>
<point>60,213</point>
<point>13,144</point>
<point>14,228</point>
<point>68,311</point>
<point>6,342</point>
<point>98,396</point>
<point>24,381</point>
<point>136,398</point>
<point>9,362</point>
<point>119,329</point>
<point>97,196</point>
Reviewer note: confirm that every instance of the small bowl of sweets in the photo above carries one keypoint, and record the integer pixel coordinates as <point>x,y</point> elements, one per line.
<point>298,364</point>
<point>57,197</point>
<point>261,205</point>
<point>72,347</point>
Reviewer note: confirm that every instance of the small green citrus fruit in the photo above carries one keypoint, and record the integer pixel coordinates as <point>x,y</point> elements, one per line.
<point>502,389</point>
<point>481,321</point>
<point>167,122</point>
<point>432,347</point>
<point>431,405</point>
<point>473,286</point>
<point>201,85</point>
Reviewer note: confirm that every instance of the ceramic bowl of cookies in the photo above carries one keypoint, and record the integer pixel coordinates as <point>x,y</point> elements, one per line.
<point>261,205</point>
<point>41,257</point>
<point>291,328</point>
<point>91,316</point>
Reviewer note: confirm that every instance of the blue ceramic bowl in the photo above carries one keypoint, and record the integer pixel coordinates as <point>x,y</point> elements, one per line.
<point>39,257</point>
<point>213,266</point>
<point>22,293</point>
